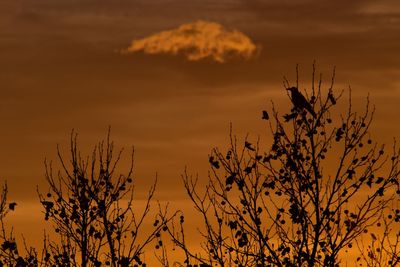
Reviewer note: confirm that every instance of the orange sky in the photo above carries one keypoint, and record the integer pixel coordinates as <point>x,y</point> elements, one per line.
<point>60,68</point>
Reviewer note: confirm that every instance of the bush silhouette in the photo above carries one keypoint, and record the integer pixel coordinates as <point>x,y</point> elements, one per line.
<point>90,206</point>
<point>319,188</point>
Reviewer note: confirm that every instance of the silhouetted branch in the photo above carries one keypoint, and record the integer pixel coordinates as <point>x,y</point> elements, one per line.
<point>320,186</point>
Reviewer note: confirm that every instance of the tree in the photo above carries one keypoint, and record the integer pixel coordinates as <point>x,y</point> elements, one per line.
<point>302,199</point>
<point>383,248</point>
<point>10,254</point>
<point>91,208</point>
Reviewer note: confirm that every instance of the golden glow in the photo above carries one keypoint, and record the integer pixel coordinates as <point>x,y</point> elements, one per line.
<point>59,71</point>
<point>197,41</point>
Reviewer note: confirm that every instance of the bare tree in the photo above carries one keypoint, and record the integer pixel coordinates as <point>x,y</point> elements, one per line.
<point>382,247</point>
<point>91,208</point>
<point>10,254</point>
<point>304,198</point>
<point>8,249</point>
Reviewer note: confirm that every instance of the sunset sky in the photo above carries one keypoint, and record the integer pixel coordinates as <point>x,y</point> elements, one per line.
<point>87,65</point>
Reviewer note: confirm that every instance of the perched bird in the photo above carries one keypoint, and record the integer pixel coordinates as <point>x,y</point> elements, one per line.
<point>265,115</point>
<point>300,102</point>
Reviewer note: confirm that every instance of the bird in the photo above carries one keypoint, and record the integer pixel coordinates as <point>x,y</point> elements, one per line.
<point>300,102</point>
<point>265,115</point>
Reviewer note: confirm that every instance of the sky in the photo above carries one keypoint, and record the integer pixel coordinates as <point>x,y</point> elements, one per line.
<point>87,65</point>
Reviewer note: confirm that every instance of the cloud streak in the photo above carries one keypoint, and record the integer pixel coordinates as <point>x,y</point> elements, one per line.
<point>197,41</point>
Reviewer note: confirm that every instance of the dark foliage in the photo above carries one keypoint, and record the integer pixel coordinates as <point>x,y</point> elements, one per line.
<point>91,207</point>
<point>306,198</point>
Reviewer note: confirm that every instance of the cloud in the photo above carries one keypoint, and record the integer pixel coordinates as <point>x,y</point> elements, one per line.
<point>197,41</point>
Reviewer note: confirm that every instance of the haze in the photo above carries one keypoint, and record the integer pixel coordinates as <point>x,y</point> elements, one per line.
<point>61,69</point>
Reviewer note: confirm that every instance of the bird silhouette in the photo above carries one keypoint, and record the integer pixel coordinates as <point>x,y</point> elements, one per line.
<point>300,102</point>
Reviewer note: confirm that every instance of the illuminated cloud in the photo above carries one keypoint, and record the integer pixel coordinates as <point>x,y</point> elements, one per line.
<point>197,41</point>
